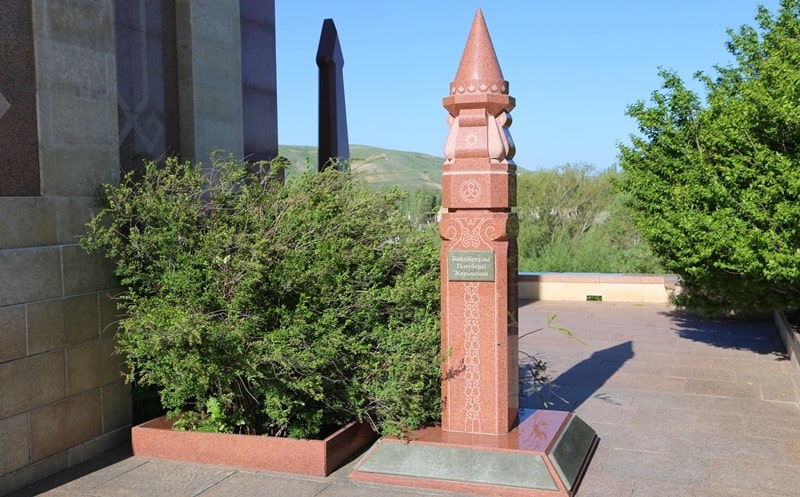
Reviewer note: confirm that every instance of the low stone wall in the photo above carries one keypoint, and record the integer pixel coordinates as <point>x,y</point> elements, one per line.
<point>791,339</point>
<point>580,287</point>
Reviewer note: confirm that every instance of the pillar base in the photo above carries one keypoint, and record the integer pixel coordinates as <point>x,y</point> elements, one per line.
<point>545,455</point>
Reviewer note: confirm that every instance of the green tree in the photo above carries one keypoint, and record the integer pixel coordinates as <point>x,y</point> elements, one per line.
<point>572,219</point>
<point>420,205</point>
<point>558,204</point>
<point>716,182</point>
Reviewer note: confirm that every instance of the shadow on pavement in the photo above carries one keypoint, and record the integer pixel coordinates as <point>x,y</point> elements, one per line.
<point>76,472</point>
<point>580,382</point>
<point>754,333</point>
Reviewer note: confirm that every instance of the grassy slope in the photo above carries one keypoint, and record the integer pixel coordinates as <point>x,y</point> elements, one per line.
<point>408,170</point>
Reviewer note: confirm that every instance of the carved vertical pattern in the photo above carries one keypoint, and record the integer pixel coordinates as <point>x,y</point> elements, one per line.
<point>472,373</point>
<point>473,232</point>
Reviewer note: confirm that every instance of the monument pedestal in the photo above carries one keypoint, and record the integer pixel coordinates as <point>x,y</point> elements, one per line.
<point>546,455</point>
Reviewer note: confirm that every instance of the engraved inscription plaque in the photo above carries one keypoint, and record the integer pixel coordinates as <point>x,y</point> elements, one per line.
<point>470,265</point>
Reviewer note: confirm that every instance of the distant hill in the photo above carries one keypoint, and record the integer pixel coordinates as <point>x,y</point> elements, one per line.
<point>383,167</point>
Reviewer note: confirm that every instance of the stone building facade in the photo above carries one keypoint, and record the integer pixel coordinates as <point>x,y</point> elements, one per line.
<point>87,89</point>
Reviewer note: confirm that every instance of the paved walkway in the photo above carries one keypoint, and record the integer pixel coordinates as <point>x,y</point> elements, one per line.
<point>683,406</point>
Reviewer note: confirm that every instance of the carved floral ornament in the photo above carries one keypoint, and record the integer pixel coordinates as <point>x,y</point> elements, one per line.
<point>474,232</point>
<point>470,190</point>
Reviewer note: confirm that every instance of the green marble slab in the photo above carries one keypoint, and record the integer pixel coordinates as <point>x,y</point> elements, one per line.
<point>460,464</point>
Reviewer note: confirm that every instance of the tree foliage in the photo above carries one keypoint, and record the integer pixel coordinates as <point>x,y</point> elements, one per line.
<point>420,205</point>
<point>716,182</point>
<point>282,309</point>
<point>572,219</point>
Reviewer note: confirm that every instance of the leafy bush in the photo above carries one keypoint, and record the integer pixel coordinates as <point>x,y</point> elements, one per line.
<point>280,309</point>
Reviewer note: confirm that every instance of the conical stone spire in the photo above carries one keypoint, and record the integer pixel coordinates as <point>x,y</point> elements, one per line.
<point>479,69</point>
<point>479,98</point>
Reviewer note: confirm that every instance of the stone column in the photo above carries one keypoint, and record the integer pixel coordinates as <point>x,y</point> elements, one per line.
<point>209,78</point>
<point>259,80</point>
<point>480,391</point>
<point>147,82</point>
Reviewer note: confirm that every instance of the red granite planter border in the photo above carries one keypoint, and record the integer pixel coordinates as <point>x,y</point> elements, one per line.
<point>157,439</point>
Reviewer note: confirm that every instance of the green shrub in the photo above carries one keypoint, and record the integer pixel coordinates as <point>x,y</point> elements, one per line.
<point>281,309</point>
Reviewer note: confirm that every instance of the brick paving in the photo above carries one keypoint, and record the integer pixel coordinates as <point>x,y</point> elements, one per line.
<point>684,406</point>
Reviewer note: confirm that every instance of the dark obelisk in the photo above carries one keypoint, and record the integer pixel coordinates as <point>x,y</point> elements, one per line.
<point>333,144</point>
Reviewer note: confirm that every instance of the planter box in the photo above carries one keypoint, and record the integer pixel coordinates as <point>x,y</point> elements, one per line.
<point>157,439</point>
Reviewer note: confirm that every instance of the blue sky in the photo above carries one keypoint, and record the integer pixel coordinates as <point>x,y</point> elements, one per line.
<point>573,67</point>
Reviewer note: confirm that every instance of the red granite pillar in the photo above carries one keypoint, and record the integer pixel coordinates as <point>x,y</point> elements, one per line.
<point>480,391</point>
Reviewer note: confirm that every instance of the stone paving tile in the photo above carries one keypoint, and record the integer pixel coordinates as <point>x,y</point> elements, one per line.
<point>742,354</point>
<point>57,492</point>
<point>757,450</point>
<point>682,443</point>
<point>663,489</point>
<point>723,388</point>
<point>720,423</point>
<point>672,400</point>
<point>770,426</point>
<point>783,379</point>
<point>791,451</point>
<point>598,485</point>
<point>621,437</point>
<point>89,482</point>
<point>675,360</point>
<point>757,408</point>
<point>672,349</point>
<point>771,365</point>
<point>626,416</point>
<point>769,478</point>
<point>642,366</point>
<point>644,339</point>
<point>271,485</point>
<point>780,390</point>
<point>645,381</point>
<point>648,466</point>
<point>82,478</point>
<point>159,478</point>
